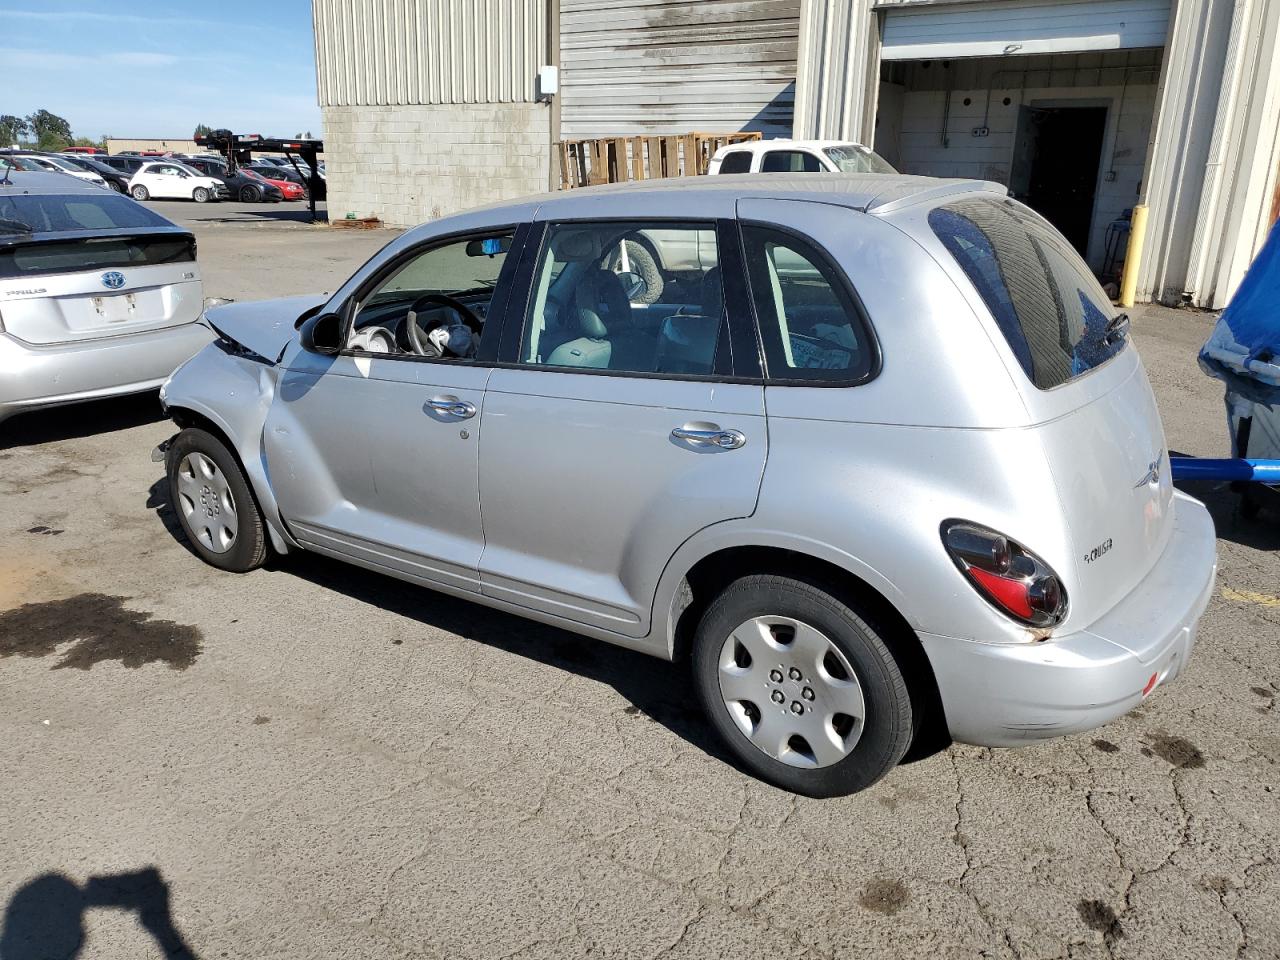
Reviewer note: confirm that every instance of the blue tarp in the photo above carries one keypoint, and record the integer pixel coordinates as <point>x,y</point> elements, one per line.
<point>1244,348</point>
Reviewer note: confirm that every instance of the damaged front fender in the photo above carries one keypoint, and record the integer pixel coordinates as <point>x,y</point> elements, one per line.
<point>261,329</point>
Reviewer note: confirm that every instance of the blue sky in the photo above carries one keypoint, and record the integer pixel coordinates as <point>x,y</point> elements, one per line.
<point>137,68</point>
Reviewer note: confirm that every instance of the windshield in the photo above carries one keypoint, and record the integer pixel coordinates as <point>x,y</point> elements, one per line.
<point>855,158</point>
<point>57,214</point>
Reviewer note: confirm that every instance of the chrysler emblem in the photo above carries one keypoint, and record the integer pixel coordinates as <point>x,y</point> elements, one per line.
<point>1152,476</point>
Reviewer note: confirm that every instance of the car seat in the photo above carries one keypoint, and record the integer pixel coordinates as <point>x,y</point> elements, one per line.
<point>601,314</point>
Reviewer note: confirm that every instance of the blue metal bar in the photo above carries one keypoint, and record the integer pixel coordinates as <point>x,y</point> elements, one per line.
<point>1195,468</point>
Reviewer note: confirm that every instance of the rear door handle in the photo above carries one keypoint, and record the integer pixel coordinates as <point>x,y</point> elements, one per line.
<point>453,407</point>
<point>709,435</point>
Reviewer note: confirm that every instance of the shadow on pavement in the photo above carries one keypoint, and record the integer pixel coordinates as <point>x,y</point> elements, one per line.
<point>45,918</point>
<point>259,213</point>
<point>80,420</point>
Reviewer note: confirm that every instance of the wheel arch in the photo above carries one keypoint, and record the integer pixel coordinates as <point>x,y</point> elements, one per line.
<point>714,569</point>
<point>193,415</point>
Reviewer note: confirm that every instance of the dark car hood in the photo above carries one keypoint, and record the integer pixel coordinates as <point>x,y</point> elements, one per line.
<point>263,326</point>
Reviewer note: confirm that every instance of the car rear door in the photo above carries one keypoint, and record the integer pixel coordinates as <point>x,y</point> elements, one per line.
<point>611,433</point>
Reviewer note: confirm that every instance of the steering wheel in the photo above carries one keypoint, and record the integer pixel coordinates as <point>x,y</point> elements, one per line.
<point>416,336</point>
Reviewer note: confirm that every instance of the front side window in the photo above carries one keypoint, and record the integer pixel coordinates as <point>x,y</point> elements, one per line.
<point>737,162</point>
<point>435,304</point>
<point>628,297</point>
<point>790,161</point>
<point>810,326</point>
<point>1050,308</point>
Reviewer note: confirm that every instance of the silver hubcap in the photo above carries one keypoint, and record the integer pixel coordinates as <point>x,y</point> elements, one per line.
<point>207,503</point>
<point>791,691</point>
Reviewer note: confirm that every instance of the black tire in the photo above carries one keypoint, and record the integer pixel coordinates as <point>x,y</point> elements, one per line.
<point>248,550</point>
<point>139,192</point>
<point>114,185</point>
<point>642,262</point>
<point>250,195</point>
<point>200,195</point>
<point>887,730</point>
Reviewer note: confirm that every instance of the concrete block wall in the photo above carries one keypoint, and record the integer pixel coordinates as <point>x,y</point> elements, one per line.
<point>408,164</point>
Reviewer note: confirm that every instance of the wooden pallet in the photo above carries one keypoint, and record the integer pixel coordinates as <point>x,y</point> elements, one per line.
<point>585,163</point>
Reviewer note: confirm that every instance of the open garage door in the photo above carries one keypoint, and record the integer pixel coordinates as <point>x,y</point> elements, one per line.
<point>947,31</point>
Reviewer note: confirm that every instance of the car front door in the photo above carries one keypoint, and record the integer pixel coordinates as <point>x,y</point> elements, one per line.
<point>616,428</point>
<point>164,180</point>
<point>372,453</point>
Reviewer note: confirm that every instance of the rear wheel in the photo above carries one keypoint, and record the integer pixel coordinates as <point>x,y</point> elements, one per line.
<point>249,195</point>
<point>115,186</point>
<point>139,192</point>
<point>200,195</point>
<point>802,688</point>
<point>211,496</point>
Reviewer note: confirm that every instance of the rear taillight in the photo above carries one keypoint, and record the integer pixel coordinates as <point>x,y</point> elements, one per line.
<point>1008,575</point>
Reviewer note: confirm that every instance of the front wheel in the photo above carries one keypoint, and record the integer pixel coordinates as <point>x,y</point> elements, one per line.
<point>249,195</point>
<point>200,195</point>
<point>211,496</point>
<point>115,186</point>
<point>803,689</point>
<point>139,192</point>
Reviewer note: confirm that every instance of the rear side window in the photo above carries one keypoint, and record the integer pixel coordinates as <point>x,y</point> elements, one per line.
<point>1045,301</point>
<point>737,162</point>
<point>810,327</point>
<point>790,161</point>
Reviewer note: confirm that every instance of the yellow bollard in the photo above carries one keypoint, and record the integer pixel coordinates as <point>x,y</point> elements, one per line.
<point>1137,234</point>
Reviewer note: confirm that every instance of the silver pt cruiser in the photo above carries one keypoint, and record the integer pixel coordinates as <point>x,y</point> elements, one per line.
<point>874,452</point>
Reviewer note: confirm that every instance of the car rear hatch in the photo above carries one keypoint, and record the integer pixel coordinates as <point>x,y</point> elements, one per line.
<point>72,286</point>
<point>1085,390</point>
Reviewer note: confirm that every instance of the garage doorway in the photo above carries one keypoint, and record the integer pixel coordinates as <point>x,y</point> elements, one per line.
<point>1057,154</point>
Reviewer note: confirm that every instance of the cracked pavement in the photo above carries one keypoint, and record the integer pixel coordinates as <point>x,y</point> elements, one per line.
<point>347,766</point>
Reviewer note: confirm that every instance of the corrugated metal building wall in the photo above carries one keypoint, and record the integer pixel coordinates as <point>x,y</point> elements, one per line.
<point>677,66</point>
<point>391,52</point>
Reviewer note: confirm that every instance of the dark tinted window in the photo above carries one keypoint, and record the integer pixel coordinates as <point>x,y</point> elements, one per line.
<point>790,161</point>
<point>1047,304</point>
<point>98,253</point>
<point>809,325</point>
<point>76,211</point>
<point>737,162</point>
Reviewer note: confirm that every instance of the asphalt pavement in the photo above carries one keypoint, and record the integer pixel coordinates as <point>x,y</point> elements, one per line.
<point>316,761</point>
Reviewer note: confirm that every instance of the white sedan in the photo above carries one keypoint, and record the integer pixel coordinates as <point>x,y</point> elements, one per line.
<point>171,180</point>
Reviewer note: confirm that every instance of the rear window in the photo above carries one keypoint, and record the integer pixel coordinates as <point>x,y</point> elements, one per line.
<point>96,253</point>
<point>76,211</point>
<point>1045,301</point>
<point>739,161</point>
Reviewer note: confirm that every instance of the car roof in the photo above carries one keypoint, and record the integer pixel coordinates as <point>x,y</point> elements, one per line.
<point>45,184</point>
<point>866,192</point>
<point>782,143</point>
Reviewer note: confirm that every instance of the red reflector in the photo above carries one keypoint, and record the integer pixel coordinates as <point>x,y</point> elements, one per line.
<point>1151,684</point>
<point>1010,594</point>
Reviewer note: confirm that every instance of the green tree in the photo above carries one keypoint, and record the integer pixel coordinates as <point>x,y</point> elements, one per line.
<point>202,130</point>
<point>12,129</point>
<point>100,143</point>
<point>51,131</point>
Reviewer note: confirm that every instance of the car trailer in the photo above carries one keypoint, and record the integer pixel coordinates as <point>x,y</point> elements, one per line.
<point>238,150</point>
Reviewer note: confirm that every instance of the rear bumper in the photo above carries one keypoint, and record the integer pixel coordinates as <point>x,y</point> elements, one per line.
<point>1004,695</point>
<point>34,376</point>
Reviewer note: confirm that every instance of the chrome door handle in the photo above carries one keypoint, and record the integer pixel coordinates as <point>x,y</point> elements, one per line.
<point>452,406</point>
<point>710,436</point>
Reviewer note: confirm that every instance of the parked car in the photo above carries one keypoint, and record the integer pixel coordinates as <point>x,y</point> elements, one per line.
<point>868,484</point>
<point>117,181</point>
<point>245,187</point>
<point>128,164</point>
<point>798,156</point>
<point>171,179</point>
<point>287,172</point>
<point>271,176</point>
<point>52,163</point>
<point>99,296</point>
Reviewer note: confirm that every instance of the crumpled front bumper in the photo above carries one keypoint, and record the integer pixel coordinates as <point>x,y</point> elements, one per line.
<point>1003,695</point>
